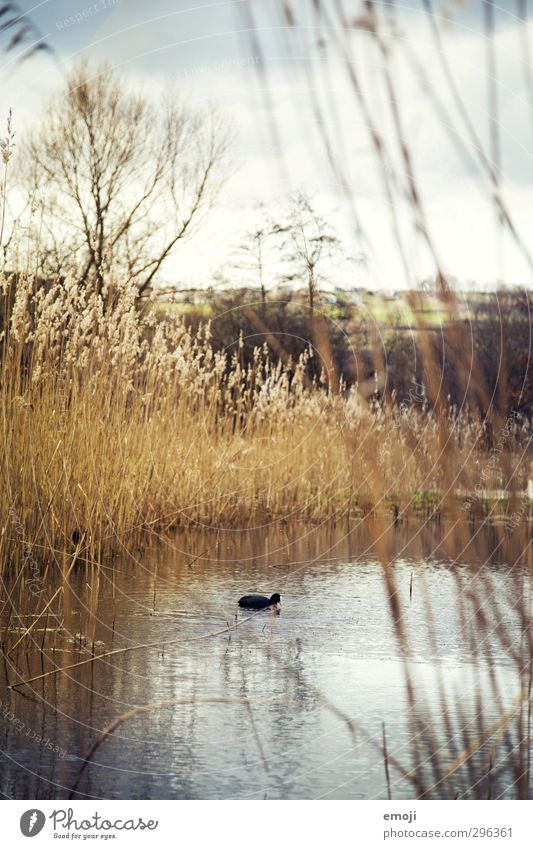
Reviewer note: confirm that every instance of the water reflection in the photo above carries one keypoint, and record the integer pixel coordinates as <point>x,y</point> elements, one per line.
<point>307,693</point>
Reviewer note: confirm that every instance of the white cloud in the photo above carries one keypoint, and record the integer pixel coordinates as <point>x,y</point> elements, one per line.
<point>215,64</point>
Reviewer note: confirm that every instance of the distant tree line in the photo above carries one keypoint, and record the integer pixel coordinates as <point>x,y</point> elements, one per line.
<point>482,361</point>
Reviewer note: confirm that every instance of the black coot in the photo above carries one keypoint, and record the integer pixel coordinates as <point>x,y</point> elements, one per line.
<point>77,535</point>
<point>258,602</point>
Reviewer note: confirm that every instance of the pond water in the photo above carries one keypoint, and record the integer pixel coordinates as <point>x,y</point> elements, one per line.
<point>290,705</point>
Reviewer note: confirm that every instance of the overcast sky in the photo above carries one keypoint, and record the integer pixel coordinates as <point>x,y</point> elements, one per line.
<point>208,51</point>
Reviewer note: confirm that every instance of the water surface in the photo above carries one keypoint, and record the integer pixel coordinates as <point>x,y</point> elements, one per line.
<point>282,706</point>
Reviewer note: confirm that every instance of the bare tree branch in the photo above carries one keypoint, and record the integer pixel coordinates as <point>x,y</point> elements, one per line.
<point>129,175</point>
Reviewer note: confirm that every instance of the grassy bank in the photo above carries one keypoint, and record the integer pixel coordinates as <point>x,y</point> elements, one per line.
<point>113,422</point>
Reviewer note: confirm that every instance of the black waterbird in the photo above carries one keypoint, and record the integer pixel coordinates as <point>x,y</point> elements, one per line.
<point>259,602</point>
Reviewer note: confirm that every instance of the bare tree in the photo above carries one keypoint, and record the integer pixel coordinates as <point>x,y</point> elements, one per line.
<point>122,178</point>
<point>307,241</point>
<point>309,247</point>
<point>254,253</point>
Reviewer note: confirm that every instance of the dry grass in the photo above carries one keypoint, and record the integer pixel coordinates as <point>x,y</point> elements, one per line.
<point>112,424</point>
